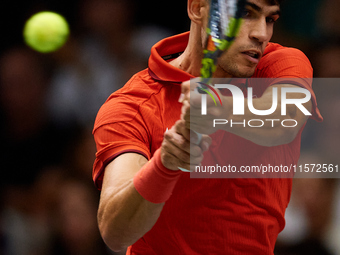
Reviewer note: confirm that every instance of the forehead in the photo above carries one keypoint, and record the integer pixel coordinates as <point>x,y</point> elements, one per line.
<point>264,5</point>
<point>273,2</point>
<point>266,2</point>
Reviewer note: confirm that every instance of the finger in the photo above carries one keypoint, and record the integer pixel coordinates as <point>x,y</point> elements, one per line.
<point>192,114</point>
<point>181,98</point>
<point>205,142</point>
<point>177,157</point>
<point>185,92</point>
<point>171,161</point>
<point>195,138</point>
<point>190,85</point>
<point>174,154</point>
<point>195,99</point>
<point>177,141</point>
<point>190,167</point>
<point>192,139</point>
<point>185,87</point>
<point>189,116</point>
<point>185,108</point>
<point>180,129</point>
<point>185,113</point>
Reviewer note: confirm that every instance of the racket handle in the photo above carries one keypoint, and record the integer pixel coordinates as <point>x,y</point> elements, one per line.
<point>183,169</point>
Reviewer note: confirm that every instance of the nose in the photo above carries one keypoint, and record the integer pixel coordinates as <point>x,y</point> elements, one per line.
<point>260,31</point>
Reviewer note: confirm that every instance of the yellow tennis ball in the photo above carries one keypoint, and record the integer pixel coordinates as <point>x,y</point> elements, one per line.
<point>46,31</point>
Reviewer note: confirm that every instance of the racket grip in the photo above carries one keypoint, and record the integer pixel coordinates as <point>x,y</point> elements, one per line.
<point>183,169</point>
<point>198,142</point>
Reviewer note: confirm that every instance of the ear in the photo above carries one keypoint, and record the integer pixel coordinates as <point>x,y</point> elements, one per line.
<point>198,10</point>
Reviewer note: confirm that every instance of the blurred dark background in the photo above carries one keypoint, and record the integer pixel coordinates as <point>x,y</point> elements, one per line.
<point>168,14</point>
<point>48,103</point>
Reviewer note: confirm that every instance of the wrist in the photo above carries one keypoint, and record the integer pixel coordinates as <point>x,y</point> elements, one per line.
<point>154,182</point>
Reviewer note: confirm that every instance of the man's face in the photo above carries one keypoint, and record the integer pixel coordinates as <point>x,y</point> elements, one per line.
<point>242,57</point>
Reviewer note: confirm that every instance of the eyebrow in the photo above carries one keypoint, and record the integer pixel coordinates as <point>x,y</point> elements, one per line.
<point>259,9</point>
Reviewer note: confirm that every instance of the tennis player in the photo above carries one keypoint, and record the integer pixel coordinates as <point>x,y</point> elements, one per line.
<point>150,206</point>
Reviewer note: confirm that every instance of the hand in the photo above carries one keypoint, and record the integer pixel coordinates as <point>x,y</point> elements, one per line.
<point>178,151</point>
<point>192,109</point>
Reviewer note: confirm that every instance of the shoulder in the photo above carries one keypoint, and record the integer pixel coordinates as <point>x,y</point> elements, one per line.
<point>124,104</point>
<point>275,51</point>
<point>278,61</point>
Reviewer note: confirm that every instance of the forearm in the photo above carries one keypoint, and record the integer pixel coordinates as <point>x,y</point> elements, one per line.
<point>134,190</point>
<point>125,217</point>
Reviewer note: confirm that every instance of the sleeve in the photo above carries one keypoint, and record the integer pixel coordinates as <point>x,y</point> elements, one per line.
<point>289,65</point>
<point>113,137</point>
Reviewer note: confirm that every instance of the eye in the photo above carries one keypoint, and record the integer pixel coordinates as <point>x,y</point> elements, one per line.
<point>271,19</point>
<point>246,13</point>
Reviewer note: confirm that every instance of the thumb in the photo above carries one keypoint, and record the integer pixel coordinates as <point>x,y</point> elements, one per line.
<point>186,87</point>
<point>205,142</point>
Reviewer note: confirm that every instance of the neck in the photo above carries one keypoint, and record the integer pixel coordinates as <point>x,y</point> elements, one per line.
<point>190,60</point>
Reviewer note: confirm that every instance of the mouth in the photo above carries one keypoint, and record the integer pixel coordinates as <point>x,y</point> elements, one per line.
<point>253,54</point>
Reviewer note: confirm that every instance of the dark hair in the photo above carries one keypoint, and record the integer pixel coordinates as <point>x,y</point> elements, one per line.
<point>274,2</point>
<point>271,2</point>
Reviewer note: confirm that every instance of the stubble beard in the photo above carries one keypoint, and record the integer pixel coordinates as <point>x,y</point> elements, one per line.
<point>230,67</point>
<point>233,63</point>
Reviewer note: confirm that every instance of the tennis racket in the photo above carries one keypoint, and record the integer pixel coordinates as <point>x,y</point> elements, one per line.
<point>225,18</point>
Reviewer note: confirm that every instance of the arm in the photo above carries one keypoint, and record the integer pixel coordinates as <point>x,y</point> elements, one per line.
<point>272,133</point>
<point>124,215</point>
